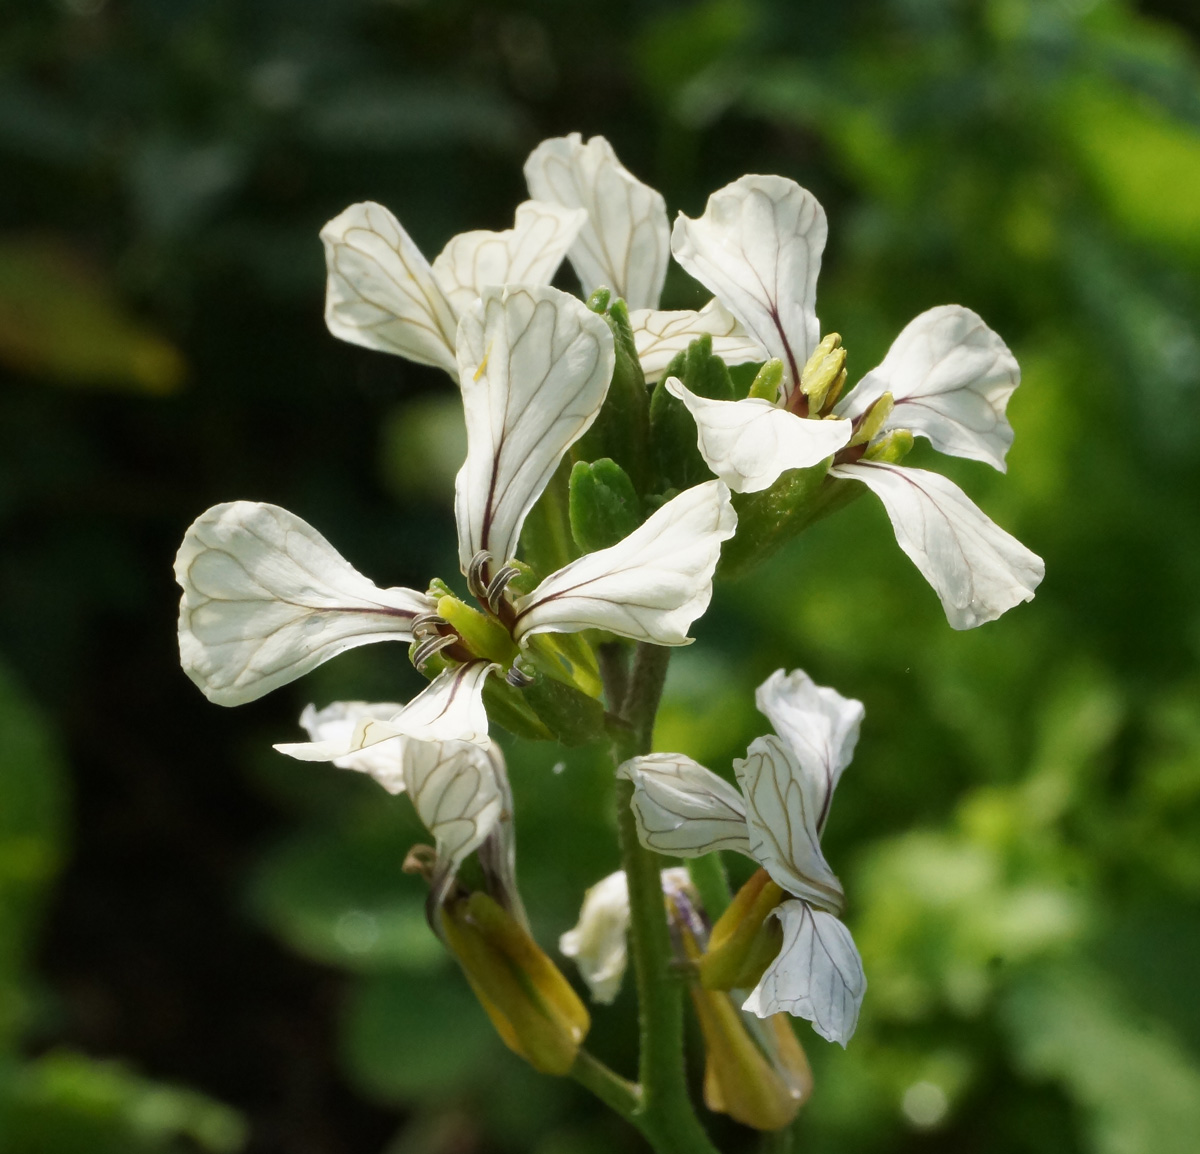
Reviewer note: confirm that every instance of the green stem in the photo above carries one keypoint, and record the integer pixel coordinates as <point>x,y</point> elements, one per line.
<point>616,1092</point>
<point>712,883</point>
<point>666,1116</point>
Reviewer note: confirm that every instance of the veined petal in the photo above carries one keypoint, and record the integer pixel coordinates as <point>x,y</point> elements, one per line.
<point>817,975</point>
<point>456,794</point>
<point>528,253</point>
<point>335,725</point>
<point>449,708</point>
<point>659,336</point>
<point>266,598</point>
<point>626,242</point>
<point>682,808</point>
<point>651,586</point>
<point>758,248</point>
<point>498,852</point>
<point>381,292</point>
<point>951,378</point>
<point>749,443</point>
<point>975,567</point>
<point>817,723</point>
<point>535,365</point>
<point>784,810</point>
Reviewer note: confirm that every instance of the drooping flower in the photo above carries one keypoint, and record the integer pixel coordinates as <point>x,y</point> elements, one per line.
<point>625,245</point>
<point>755,1071</point>
<point>459,789</point>
<point>947,377</point>
<point>383,294</point>
<point>266,598</point>
<point>787,781</point>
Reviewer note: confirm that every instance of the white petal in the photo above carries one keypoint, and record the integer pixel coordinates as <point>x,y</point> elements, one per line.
<point>528,253</point>
<point>785,807</point>
<point>266,598</point>
<point>818,974</point>
<point>626,243</point>
<point>758,248</point>
<point>818,723</point>
<point>975,567</point>
<point>380,291</point>
<point>683,809</point>
<point>597,943</point>
<point>651,586</point>
<point>335,724</point>
<point>749,443</point>
<point>951,378</point>
<point>498,852</point>
<point>659,336</point>
<point>457,796</point>
<point>449,708</point>
<point>535,365</point>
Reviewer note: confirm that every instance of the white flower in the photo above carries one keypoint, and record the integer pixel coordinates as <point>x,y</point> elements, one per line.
<point>787,780</point>
<point>383,294</point>
<point>266,598</point>
<point>459,789</point>
<point>947,377</point>
<point>625,246</point>
<point>598,943</point>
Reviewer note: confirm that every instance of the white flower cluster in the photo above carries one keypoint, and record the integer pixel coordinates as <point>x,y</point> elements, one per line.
<point>266,598</point>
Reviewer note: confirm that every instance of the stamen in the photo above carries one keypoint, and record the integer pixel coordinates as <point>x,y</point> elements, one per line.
<point>498,584</point>
<point>518,678</point>
<point>475,573</point>
<point>432,645</point>
<point>427,625</point>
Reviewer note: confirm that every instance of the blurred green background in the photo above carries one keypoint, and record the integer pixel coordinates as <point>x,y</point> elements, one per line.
<point>206,946</point>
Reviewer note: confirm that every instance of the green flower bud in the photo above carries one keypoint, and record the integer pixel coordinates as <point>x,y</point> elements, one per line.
<point>604,506</point>
<point>534,1009</point>
<point>546,541</point>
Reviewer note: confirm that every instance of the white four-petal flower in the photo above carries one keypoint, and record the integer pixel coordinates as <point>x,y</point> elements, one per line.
<point>459,789</point>
<point>787,780</point>
<point>383,294</point>
<point>266,598</point>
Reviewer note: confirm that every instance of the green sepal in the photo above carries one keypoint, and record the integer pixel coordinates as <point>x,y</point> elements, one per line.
<point>546,541</point>
<point>891,448</point>
<point>767,381</point>
<point>604,506</point>
<point>572,717</point>
<point>622,429</point>
<point>568,658</point>
<point>677,460</point>
<point>507,707</point>
<point>769,519</point>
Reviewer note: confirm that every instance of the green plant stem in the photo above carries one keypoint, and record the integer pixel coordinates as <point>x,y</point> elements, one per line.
<point>712,883</point>
<point>665,1116</point>
<point>614,1091</point>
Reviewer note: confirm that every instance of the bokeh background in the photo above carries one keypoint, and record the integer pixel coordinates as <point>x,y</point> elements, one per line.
<point>205,946</point>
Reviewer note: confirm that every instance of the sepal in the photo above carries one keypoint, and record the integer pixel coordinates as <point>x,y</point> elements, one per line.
<point>744,939</point>
<point>534,1009</point>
